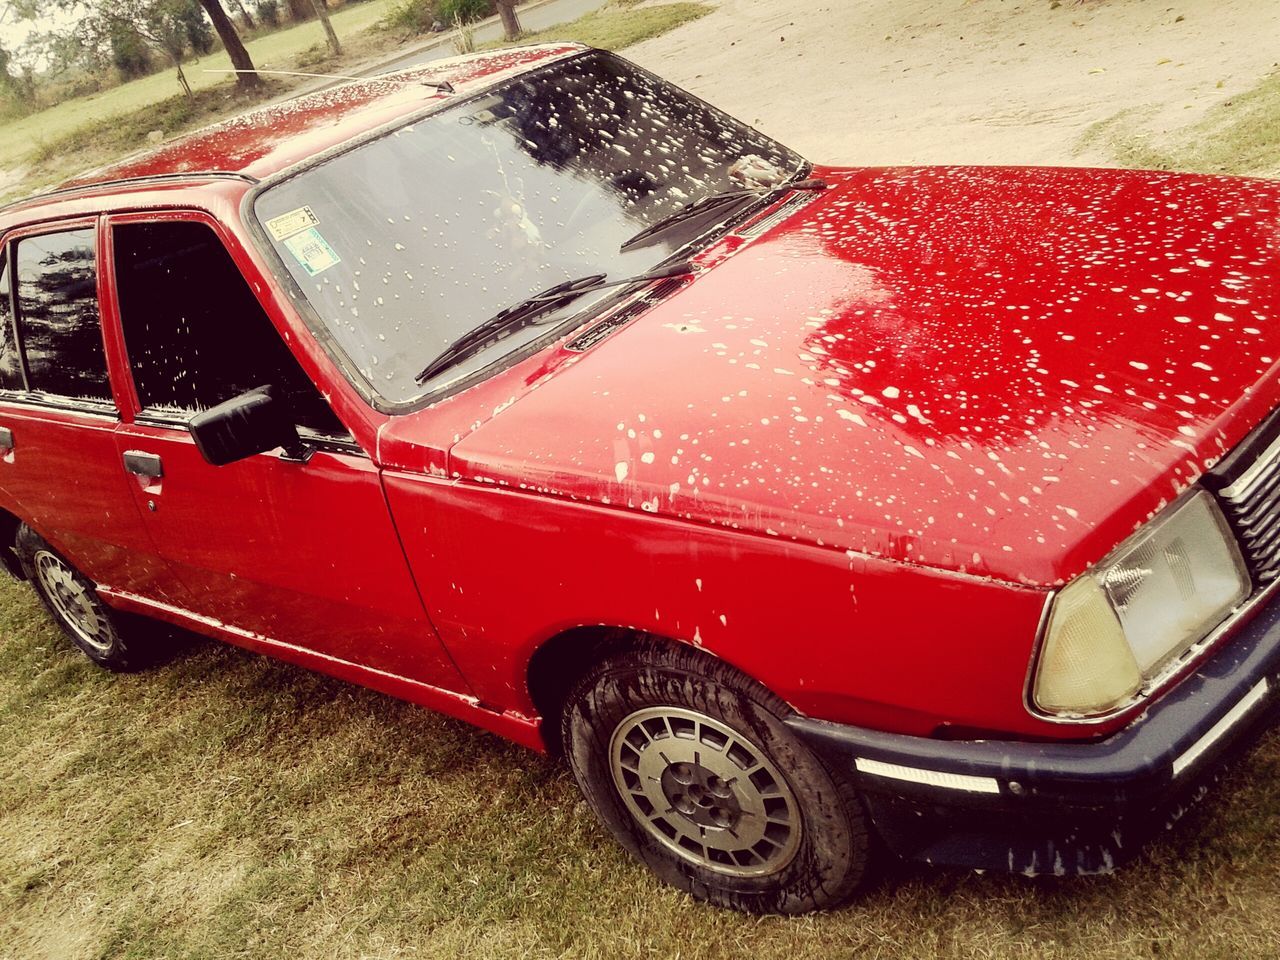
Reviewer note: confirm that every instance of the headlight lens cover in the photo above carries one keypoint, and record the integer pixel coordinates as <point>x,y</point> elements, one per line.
<point>1086,665</point>
<point>1157,594</point>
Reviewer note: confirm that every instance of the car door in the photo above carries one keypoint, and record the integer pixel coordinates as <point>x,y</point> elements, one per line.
<point>302,553</point>
<point>59,466</point>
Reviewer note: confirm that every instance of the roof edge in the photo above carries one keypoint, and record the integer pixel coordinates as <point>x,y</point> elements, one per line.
<point>84,189</point>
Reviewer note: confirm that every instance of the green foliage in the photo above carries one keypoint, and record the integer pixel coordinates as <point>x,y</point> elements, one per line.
<point>268,12</point>
<point>123,134</point>
<point>17,87</point>
<point>77,97</point>
<point>453,11</point>
<point>411,16</point>
<point>196,27</point>
<point>418,16</point>
<point>130,54</point>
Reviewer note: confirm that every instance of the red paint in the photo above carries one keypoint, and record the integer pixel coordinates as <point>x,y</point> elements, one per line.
<point>851,456</point>
<point>931,366</point>
<point>844,638</point>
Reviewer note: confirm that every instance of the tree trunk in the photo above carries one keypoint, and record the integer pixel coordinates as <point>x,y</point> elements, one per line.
<point>323,13</point>
<point>248,79</point>
<point>510,22</point>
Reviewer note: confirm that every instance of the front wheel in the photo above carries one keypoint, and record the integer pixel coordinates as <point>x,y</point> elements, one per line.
<point>690,766</point>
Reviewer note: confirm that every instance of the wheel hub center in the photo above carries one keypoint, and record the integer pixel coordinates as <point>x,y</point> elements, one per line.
<point>700,796</point>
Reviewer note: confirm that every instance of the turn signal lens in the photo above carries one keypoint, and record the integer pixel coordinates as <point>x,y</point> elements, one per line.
<point>1086,666</point>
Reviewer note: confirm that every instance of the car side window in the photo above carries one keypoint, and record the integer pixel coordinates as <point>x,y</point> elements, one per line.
<point>61,331</point>
<point>10,365</point>
<point>195,333</point>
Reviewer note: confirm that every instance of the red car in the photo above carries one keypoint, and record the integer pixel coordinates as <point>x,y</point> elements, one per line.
<point>807,511</point>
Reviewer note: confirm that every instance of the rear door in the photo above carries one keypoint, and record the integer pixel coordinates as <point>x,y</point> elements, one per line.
<point>59,466</point>
<point>301,553</point>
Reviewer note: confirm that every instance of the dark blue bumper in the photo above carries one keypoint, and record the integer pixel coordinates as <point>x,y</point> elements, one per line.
<point>1064,807</point>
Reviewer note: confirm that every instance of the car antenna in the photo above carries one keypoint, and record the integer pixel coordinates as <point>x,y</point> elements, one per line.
<point>444,86</point>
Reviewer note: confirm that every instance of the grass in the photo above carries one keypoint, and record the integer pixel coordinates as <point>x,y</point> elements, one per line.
<point>1240,135</point>
<point>97,142</point>
<point>618,25</point>
<point>274,50</point>
<point>225,805</point>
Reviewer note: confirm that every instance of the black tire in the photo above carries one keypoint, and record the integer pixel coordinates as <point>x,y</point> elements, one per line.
<point>72,600</point>
<point>649,696</point>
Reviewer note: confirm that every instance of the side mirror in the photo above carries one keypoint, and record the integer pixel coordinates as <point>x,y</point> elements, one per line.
<point>253,422</point>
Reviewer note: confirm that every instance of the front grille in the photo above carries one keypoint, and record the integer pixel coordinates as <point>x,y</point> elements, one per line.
<point>1247,484</point>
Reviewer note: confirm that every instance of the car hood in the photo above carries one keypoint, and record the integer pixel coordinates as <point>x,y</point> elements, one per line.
<point>995,371</point>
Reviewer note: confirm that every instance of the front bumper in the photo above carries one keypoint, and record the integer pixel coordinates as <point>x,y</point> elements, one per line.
<point>1064,808</point>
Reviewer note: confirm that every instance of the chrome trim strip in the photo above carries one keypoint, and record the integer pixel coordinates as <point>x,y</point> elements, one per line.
<point>105,411</point>
<point>1219,729</point>
<point>932,778</point>
<point>258,638</point>
<point>1259,466</point>
<point>1033,665</point>
<point>1251,511</point>
<point>1260,542</point>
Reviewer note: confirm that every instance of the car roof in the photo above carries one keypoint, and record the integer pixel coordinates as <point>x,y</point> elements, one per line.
<point>254,145</point>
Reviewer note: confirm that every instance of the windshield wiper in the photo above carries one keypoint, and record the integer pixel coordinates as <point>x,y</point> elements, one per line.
<point>710,202</point>
<point>507,321</point>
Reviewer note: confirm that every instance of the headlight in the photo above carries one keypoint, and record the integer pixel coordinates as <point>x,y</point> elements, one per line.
<point>1161,591</point>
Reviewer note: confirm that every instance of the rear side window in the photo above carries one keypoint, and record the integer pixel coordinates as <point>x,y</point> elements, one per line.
<point>58,315</point>
<point>10,365</point>
<point>195,333</point>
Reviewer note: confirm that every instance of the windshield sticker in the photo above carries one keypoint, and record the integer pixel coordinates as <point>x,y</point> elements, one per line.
<point>295,221</point>
<point>312,251</point>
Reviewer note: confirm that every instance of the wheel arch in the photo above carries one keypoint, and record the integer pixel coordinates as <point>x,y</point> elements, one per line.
<point>9,524</point>
<point>561,660</point>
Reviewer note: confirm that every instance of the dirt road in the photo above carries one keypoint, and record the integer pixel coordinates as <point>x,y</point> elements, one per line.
<point>966,81</point>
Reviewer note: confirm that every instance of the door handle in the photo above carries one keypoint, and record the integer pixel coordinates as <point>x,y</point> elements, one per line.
<point>143,464</point>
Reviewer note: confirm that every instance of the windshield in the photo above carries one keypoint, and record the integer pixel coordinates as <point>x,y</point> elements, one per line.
<point>406,243</point>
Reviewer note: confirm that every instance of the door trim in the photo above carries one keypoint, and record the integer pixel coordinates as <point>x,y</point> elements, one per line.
<point>514,726</point>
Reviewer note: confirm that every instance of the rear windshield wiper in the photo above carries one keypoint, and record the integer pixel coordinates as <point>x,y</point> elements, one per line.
<point>710,202</point>
<point>523,314</point>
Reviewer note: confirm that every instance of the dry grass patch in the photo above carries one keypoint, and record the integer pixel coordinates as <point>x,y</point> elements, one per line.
<point>1241,136</point>
<point>225,805</point>
<point>618,25</point>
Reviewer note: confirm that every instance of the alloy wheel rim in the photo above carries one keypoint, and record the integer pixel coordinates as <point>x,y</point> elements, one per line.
<point>705,792</point>
<point>75,604</point>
